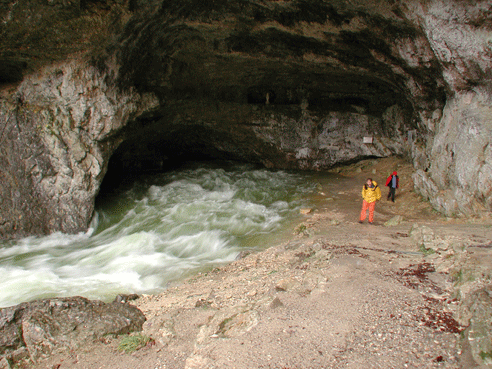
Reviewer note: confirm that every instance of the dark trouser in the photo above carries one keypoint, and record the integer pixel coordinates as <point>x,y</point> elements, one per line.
<point>391,194</point>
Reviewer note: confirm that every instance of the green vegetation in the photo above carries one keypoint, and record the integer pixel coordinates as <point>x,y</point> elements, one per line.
<point>223,324</point>
<point>462,276</point>
<point>301,228</point>
<point>458,276</point>
<point>133,343</point>
<point>425,250</point>
<point>486,356</point>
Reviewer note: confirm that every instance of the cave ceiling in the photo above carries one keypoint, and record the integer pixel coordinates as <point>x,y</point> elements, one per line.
<point>207,62</point>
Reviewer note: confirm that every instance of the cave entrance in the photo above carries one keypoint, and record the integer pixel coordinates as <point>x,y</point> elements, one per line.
<point>277,140</point>
<point>159,148</point>
<point>274,122</point>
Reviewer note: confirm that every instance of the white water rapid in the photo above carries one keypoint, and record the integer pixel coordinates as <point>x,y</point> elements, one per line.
<point>160,228</point>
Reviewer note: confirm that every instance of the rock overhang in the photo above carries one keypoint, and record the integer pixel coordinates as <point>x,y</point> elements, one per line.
<point>276,59</point>
<point>168,53</point>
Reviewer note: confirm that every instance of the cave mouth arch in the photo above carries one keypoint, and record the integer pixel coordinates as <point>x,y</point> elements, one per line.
<point>313,132</point>
<point>265,94</point>
<point>148,152</point>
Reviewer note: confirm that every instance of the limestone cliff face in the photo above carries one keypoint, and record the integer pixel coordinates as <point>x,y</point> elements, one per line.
<point>290,84</point>
<point>458,176</point>
<point>55,146</point>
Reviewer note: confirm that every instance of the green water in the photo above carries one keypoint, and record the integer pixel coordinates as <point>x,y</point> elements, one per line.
<point>157,229</point>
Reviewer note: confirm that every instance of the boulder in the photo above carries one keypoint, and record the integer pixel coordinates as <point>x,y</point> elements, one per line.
<point>426,240</point>
<point>476,313</point>
<point>59,324</point>
<point>396,220</point>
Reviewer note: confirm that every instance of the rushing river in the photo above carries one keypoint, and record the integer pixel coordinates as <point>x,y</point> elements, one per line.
<point>159,228</point>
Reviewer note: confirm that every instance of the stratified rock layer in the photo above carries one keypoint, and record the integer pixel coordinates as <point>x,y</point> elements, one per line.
<point>303,84</point>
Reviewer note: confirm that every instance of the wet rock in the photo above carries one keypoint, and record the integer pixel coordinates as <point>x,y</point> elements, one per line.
<point>47,326</point>
<point>65,112</point>
<point>242,254</point>
<point>126,298</point>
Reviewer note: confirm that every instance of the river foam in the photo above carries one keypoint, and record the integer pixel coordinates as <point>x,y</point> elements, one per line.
<point>158,229</point>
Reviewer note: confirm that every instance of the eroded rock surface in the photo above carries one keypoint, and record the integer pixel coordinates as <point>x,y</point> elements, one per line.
<point>55,146</point>
<point>44,327</point>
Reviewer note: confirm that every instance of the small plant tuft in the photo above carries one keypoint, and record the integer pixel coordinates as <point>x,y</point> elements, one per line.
<point>133,343</point>
<point>425,250</point>
<point>301,228</point>
<point>486,356</point>
<point>458,276</point>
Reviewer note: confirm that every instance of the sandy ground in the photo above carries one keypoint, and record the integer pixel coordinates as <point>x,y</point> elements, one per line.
<point>338,294</point>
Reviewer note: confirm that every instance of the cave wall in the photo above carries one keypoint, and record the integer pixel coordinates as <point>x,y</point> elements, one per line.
<point>289,84</point>
<point>454,170</point>
<point>458,173</point>
<point>55,145</point>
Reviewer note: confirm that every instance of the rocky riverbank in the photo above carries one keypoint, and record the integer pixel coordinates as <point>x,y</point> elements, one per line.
<point>411,291</point>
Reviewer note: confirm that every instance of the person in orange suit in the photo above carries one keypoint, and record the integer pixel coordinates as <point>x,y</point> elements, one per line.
<point>370,194</point>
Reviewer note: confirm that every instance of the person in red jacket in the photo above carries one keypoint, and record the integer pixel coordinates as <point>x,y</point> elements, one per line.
<point>393,183</point>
